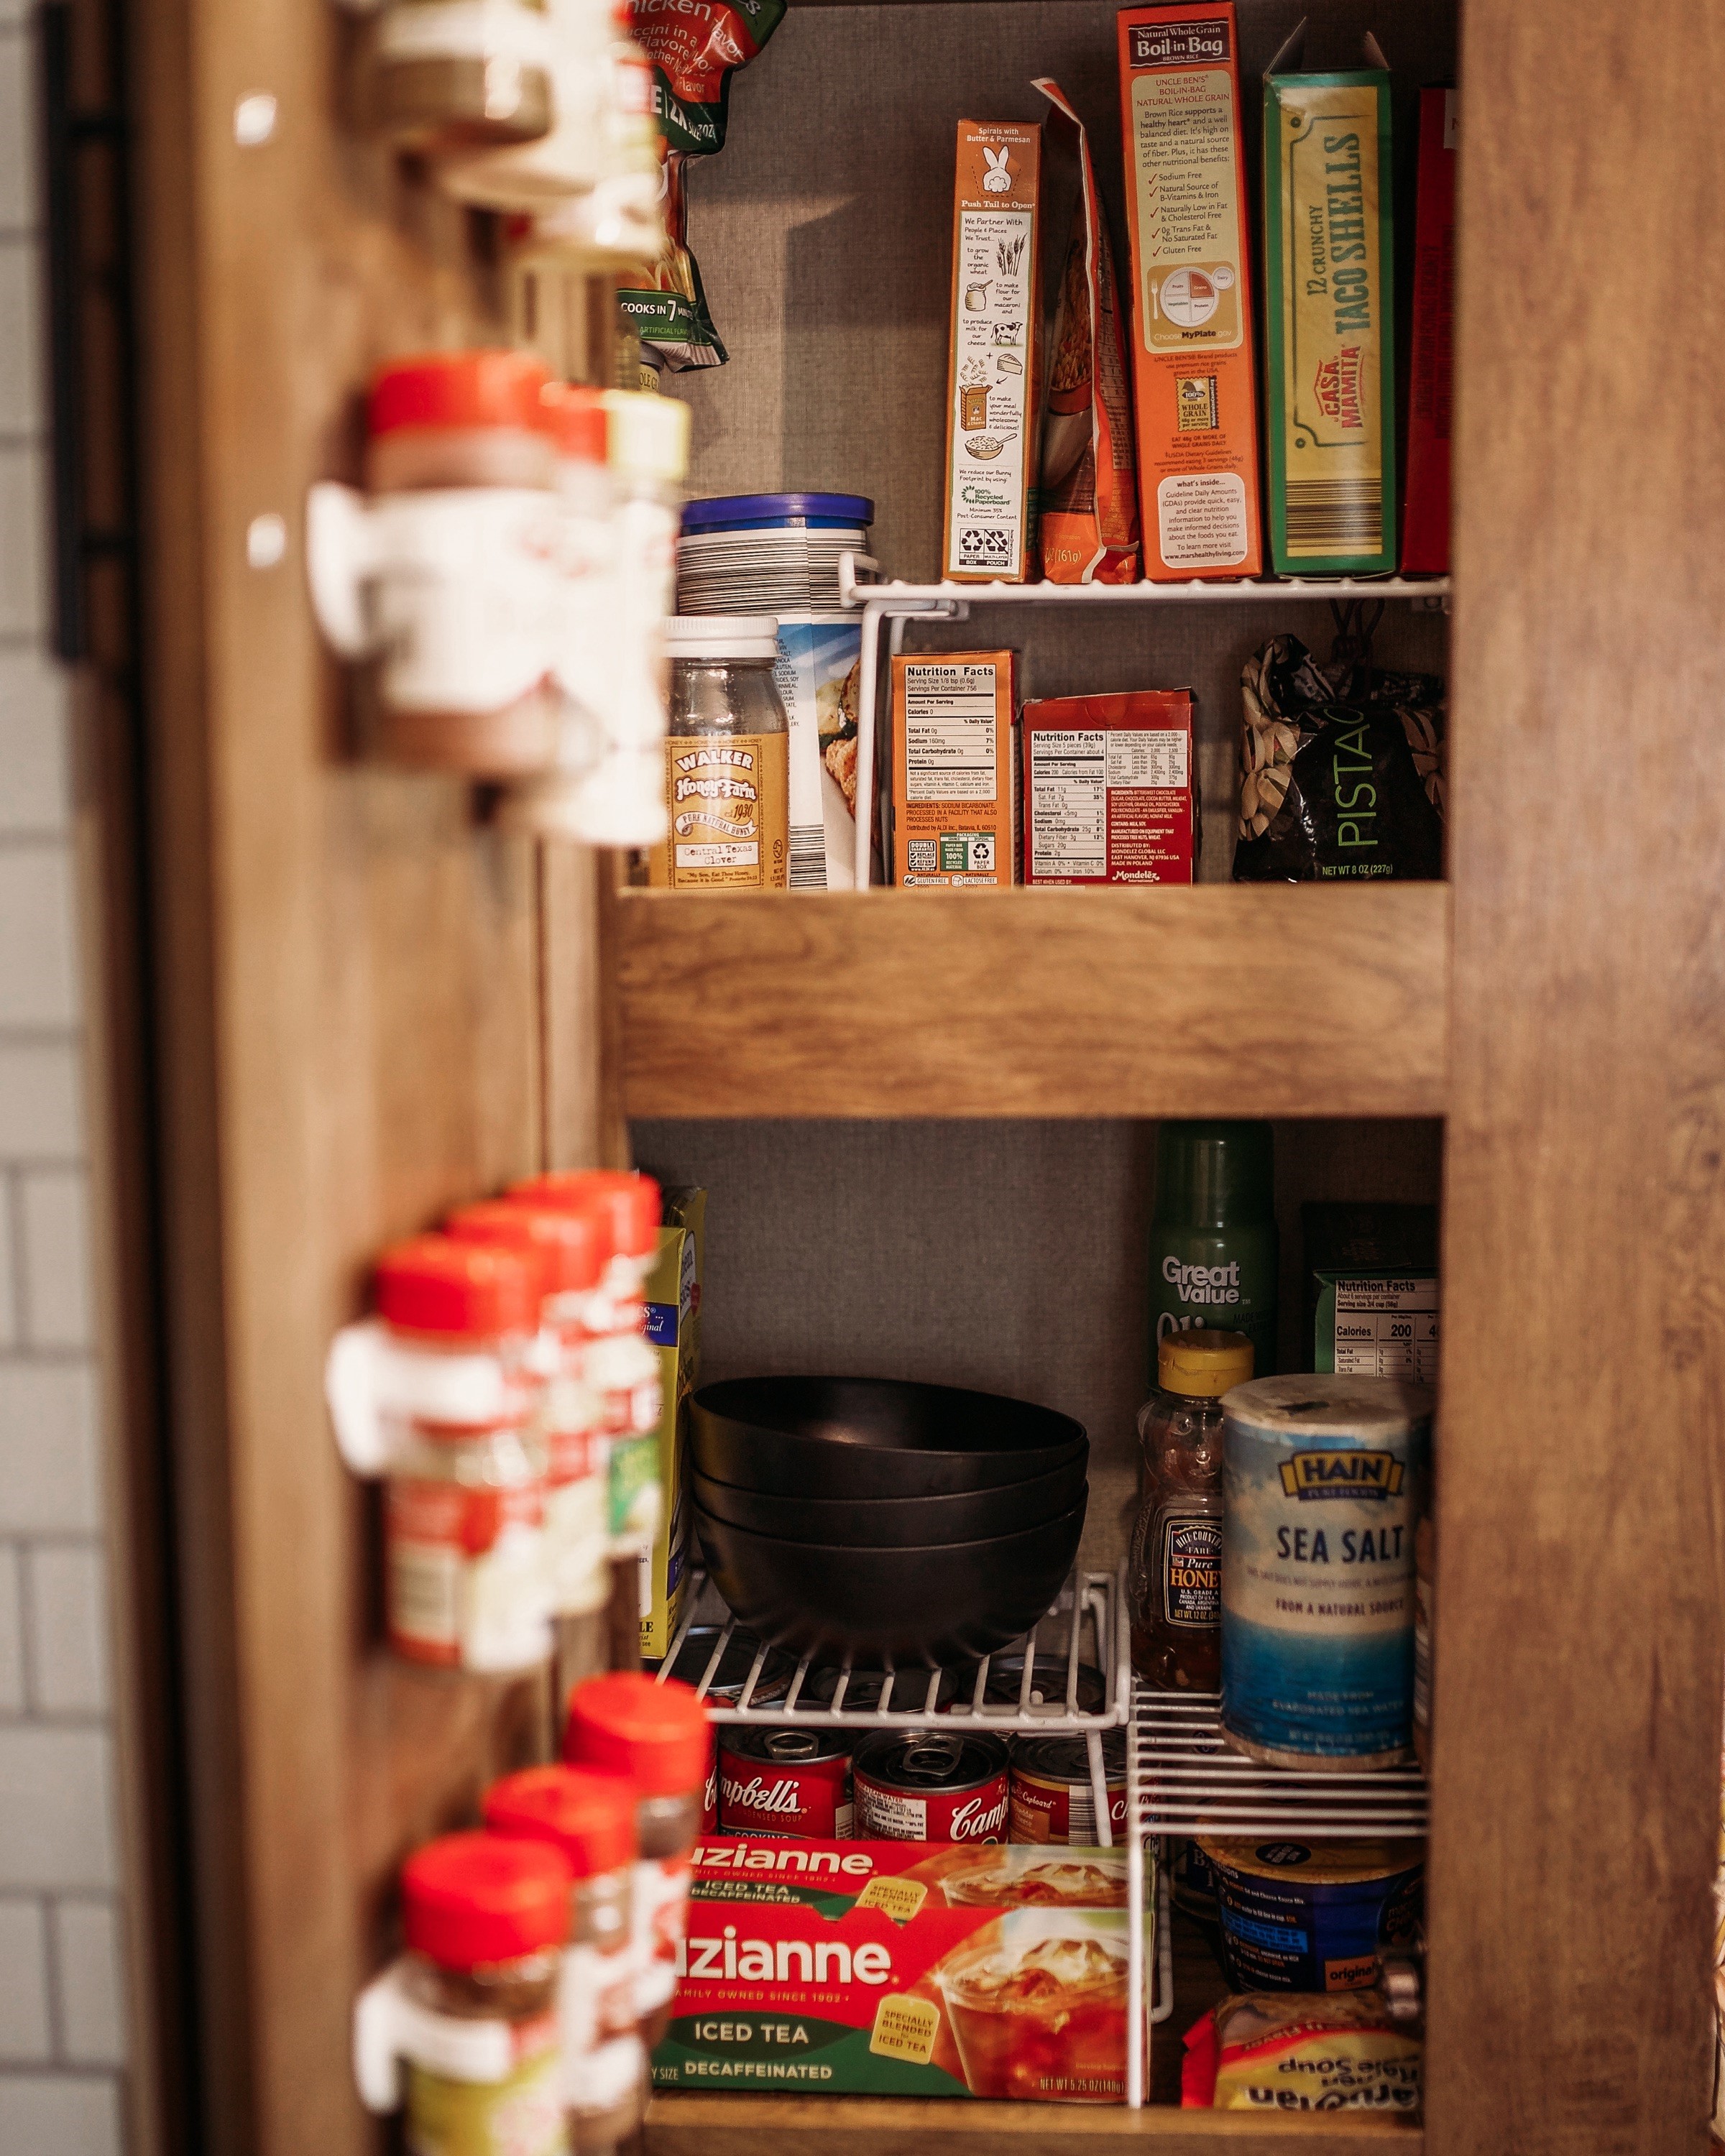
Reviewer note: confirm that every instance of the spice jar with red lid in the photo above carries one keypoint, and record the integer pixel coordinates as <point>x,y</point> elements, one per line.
<point>654,1735</point>
<point>444,571</point>
<point>590,1819</point>
<point>620,1366</point>
<point>470,2011</point>
<point>440,1395</point>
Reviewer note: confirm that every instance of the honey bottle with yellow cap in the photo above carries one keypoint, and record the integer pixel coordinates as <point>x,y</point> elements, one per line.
<point>1175,1579</point>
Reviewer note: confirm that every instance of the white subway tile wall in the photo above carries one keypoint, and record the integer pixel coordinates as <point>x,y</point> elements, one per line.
<point>62,2017</point>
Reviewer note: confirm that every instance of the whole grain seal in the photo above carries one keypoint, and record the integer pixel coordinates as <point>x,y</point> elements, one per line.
<point>1052,1800</point>
<point>931,1787</point>
<point>785,1782</point>
<point>1321,1483</point>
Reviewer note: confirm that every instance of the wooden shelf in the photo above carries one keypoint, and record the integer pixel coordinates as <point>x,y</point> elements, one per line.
<point>679,2124</point>
<point>1217,999</point>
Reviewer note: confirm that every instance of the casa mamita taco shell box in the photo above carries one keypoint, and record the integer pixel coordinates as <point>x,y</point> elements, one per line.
<point>905,1968</point>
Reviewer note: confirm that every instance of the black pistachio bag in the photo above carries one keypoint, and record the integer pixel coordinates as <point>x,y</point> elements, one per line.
<point>1341,769</point>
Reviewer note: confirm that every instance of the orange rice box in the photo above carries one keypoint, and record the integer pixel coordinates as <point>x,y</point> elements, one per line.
<point>993,368</point>
<point>955,769</point>
<point>1194,385</point>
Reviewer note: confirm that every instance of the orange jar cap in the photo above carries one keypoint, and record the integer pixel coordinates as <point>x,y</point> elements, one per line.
<point>461,389</point>
<point>626,1202</point>
<point>655,1735</point>
<point>569,1246</point>
<point>461,1291</point>
<point>589,1816</point>
<point>1202,1363</point>
<point>468,1899</point>
<point>575,418</point>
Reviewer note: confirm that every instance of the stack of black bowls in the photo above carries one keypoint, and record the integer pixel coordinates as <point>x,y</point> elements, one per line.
<point>868,1519</point>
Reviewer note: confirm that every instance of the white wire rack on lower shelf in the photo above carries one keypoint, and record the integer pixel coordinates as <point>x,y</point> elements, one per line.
<point>1187,1780</point>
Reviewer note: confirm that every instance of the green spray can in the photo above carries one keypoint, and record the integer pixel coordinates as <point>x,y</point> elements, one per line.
<point>1212,1242</point>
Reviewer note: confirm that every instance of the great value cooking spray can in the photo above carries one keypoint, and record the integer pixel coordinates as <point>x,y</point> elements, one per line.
<point>933,1788</point>
<point>1320,1480</point>
<point>1213,1237</point>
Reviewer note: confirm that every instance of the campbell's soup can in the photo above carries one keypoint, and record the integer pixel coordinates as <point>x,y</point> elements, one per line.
<point>1052,1799</point>
<point>785,1782</point>
<point>930,1788</point>
<point>1046,1692</point>
<point>726,1685</point>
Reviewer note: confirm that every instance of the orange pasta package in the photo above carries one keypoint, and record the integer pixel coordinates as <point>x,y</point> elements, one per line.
<point>1195,389</point>
<point>1089,476</point>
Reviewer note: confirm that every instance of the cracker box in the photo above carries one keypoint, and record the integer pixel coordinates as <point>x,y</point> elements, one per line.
<point>1329,312</point>
<point>994,367</point>
<point>1195,389</point>
<point>904,1969</point>
<point>1111,788</point>
<point>672,1299</point>
<point>1425,514</point>
<point>955,769</point>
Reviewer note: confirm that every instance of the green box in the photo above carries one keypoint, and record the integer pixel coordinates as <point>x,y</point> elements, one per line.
<point>1371,1291</point>
<point>1330,318</point>
<point>673,1298</point>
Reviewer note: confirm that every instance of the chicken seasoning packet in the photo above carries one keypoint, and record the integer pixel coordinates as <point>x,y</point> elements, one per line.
<point>1089,475</point>
<point>694,51</point>
<point>1342,771</point>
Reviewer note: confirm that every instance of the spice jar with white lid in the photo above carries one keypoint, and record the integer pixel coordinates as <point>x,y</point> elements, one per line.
<point>726,758</point>
<point>590,1819</point>
<point>450,74</point>
<point>439,1393</point>
<point>619,1365</point>
<point>655,1735</point>
<point>570,1248</point>
<point>470,2009</point>
<point>444,571</point>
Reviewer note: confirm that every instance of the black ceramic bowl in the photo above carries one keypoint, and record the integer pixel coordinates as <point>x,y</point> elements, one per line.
<point>934,1606</point>
<point>873,1437</point>
<point>971,1515</point>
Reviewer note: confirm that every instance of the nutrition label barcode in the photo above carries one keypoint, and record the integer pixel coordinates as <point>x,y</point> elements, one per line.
<point>1335,515</point>
<point>808,857</point>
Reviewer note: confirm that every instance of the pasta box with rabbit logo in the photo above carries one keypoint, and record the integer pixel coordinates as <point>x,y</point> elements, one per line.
<point>994,369</point>
<point>904,1969</point>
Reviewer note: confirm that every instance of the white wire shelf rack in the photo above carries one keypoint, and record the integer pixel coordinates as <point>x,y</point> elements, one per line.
<point>895,596</point>
<point>1083,1628</point>
<point>1186,1780</point>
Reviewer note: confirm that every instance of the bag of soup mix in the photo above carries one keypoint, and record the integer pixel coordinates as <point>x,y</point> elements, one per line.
<point>1303,2052</point>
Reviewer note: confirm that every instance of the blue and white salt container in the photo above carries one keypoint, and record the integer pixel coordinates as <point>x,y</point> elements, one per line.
<point>1321,1482</point>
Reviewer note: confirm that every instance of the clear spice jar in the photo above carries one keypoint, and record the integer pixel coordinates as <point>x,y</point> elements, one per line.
<point>450,74</point>
<point>470,2011</point>
<point>462,539</point>
<point>1175,1577</point>
<point>440,1394</point>
<point>591,1820</point>
<point>654,1735</point>
<point>726,758</point>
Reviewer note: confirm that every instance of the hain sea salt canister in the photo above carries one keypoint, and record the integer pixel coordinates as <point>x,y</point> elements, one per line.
<point>1321,1480</point>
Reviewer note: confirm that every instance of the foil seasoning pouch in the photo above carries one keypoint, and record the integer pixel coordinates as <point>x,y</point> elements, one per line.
<point>1291,2052</point>
<point>1089,475</point>
<point>694,51</point>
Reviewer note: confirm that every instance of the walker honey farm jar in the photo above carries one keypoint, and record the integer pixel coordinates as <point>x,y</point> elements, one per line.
<point>726,758</point>
<point>1320,1480</point>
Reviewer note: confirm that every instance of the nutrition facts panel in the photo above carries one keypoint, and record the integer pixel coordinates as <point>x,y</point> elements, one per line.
<point>950,751</point>
<point>1069,793</point>
<point>1388,1328</point>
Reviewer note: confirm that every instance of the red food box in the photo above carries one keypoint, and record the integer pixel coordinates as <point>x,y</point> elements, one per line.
<point>1426,522</point>
<point>904,1969</point>
<point>1111,788</point>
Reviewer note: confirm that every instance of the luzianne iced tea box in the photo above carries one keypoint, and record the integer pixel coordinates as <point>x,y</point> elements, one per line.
<point>1329,315</point>
<point>994,367</point>
<point>1194,387</point>
<point>905,1968</point>
<point>955,769</point>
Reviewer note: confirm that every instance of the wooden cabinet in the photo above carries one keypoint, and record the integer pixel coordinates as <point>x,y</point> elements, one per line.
<point>366,1005</point>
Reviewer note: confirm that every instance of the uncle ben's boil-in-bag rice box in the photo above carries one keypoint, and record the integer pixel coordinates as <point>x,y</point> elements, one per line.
<point>1195,390</point>
<point>904,1969</point>
<point>1329,308</point>
<point>994,364</point>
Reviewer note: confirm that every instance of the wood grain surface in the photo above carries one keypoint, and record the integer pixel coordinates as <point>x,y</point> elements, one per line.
<point>686,2124</point>
<point>348,980</point>
<point>1259,1000</point>
<point>1575,1816</point>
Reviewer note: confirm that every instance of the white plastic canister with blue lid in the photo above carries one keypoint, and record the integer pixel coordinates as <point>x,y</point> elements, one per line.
<point>1320,1480</point>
